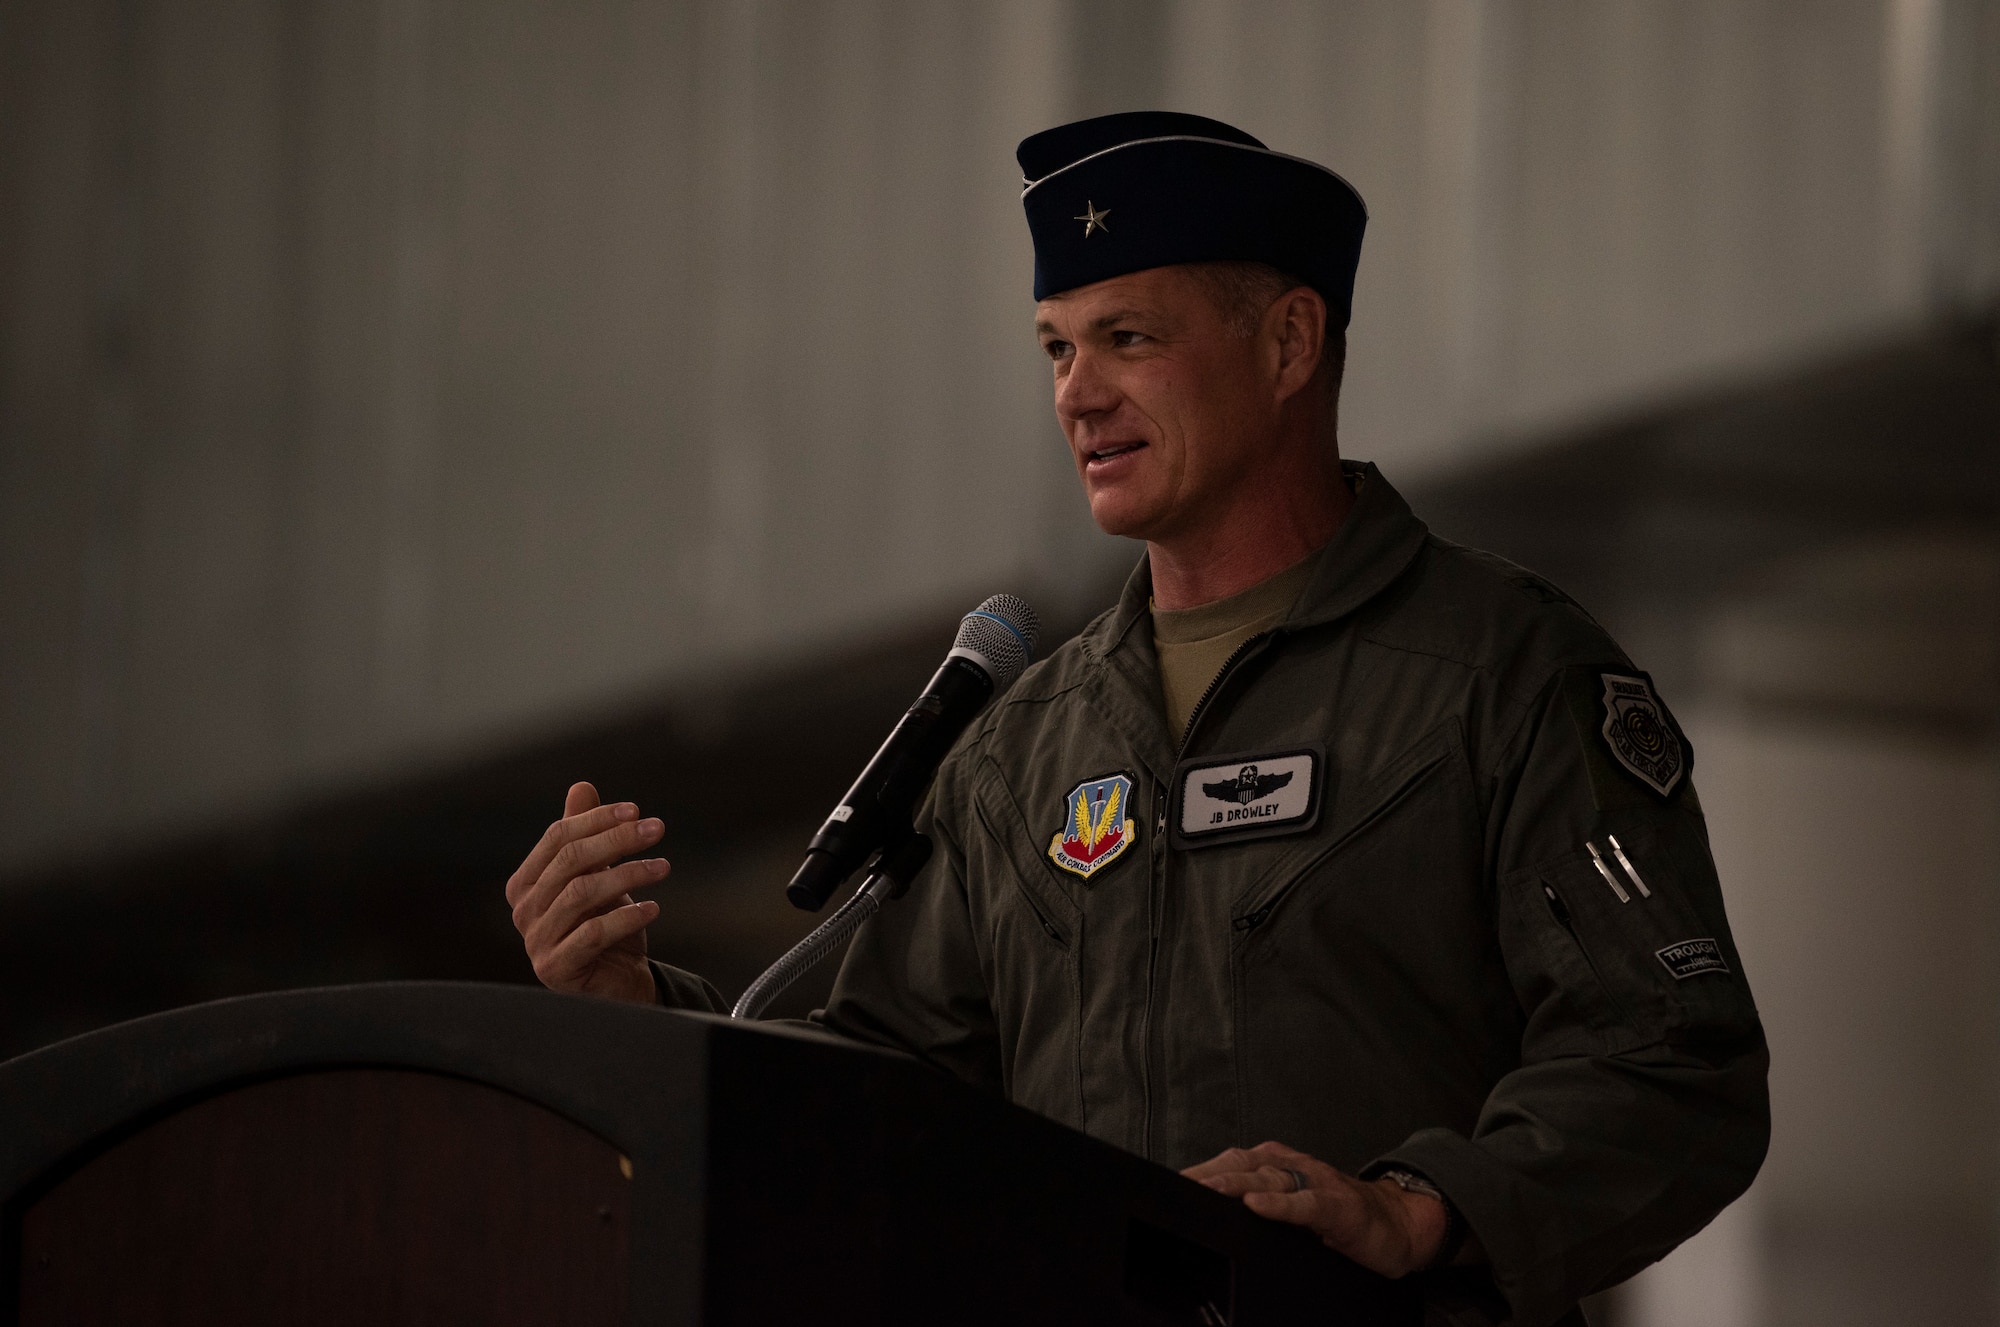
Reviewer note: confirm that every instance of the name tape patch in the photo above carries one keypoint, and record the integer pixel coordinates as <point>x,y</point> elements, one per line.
<point>1248,796</point>
<point>1689,958</point>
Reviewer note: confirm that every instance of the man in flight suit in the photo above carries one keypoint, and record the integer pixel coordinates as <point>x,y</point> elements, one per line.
<point>1355,872</point>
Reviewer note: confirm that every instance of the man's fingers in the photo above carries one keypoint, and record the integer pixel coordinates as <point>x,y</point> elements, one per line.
<point>581,948</point>
<point>608,904</point>
<point>582,797</point>
<point>1264,1179</point>
<point>1272,1158</point>
<point>1225,1163</point>
<point>1300,1209</point>
<point>596,894</point>
<point>1347,1214</point>
<point>1320,1175</point>
<point>557,835</point>
<point>594,852</point>
<point>572,847</point>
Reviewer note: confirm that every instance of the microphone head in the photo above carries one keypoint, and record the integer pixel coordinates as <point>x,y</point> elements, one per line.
<point>999,636</point>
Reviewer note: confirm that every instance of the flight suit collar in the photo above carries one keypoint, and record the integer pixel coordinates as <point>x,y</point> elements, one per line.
<point>1379,539</point>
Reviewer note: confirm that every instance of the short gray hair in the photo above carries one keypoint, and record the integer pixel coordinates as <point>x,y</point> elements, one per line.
<point>1245,291</point>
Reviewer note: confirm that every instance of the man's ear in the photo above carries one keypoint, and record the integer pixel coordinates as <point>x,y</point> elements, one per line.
<point>1299,316</point>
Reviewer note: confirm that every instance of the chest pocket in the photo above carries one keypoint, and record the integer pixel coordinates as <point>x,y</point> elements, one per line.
<point>1030,935</point>
<point>1362,966</point>
<point>1386,815</point>
<point>1030,884</point>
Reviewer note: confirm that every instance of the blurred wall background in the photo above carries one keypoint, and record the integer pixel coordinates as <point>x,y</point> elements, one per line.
<point>408,406</point>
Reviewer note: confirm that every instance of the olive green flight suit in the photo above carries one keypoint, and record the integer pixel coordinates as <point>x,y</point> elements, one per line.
<point>1432,969</point>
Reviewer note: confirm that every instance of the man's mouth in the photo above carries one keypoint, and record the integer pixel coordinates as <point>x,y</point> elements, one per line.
<point>1106,453</point>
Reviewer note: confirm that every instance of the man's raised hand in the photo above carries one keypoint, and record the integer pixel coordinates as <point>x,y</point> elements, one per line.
<point>573,904</point>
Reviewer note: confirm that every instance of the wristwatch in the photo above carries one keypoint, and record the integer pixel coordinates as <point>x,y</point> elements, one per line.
<point>1454,1224</point>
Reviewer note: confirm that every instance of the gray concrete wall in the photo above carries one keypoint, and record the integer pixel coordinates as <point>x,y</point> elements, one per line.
<point>385,380</point>
<point>382,381</point>
<point>1582,207</point>
<point>1844,729</point>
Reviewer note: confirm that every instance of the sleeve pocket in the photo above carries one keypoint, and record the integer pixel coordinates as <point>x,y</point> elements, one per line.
<point>1667,967</point>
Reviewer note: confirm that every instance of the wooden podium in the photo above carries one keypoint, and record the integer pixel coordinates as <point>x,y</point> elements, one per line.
<point>433,1153</point>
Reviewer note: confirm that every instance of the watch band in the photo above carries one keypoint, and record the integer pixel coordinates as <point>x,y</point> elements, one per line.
<point>1409,1181</point>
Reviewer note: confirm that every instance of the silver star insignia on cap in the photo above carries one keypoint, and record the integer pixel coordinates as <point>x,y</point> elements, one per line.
<point>1093,219</point>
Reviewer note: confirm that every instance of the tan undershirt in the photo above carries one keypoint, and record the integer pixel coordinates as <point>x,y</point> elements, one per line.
<point>1194,643</point>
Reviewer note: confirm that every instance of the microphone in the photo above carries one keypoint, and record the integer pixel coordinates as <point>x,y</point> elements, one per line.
<point>995,642</point>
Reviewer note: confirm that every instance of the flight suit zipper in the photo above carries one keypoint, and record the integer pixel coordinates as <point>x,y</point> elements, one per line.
<point>1251,921</point>
<point>1215,685</point>
<point>1154,895</point>
<point>1261,907</point>
<point>1049,927</point>
<point>1159,900</point>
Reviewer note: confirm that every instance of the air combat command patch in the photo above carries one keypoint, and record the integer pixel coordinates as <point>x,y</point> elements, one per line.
<point>1640,735</point>
<point>1096,830</point>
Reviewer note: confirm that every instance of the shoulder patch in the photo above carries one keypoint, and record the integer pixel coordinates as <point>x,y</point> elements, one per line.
<point>1639,735</point>
<point>1095,830</point>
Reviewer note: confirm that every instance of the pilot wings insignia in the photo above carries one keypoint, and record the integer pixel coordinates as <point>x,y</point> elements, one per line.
<point>1096,831</point>
<point>1229,798</point>
<point>1248,786</point>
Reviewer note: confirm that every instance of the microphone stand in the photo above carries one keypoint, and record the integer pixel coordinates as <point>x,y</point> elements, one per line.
<point>894,868</point>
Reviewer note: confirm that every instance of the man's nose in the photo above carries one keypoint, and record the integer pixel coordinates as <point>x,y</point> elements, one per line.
<point>1085,389</point>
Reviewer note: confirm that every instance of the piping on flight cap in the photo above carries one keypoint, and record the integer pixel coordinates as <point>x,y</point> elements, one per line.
<point>1143,189</point>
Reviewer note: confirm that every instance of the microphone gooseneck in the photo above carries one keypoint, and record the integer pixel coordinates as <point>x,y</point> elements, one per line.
<point>892,871</point>
<point>995,643</point>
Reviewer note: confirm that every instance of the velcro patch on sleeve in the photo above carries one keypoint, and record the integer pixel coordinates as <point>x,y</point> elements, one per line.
<point>1637,731</point>
<point>1689,958</point>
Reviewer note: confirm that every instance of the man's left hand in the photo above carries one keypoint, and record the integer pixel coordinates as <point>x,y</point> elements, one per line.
<point>1375,1222</point>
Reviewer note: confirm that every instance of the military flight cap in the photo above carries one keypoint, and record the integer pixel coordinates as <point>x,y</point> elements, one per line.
<point>1122,193</point>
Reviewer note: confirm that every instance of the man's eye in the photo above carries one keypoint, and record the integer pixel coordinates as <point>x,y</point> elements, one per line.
<point>1125,338</point>
<point>1055,349</point>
